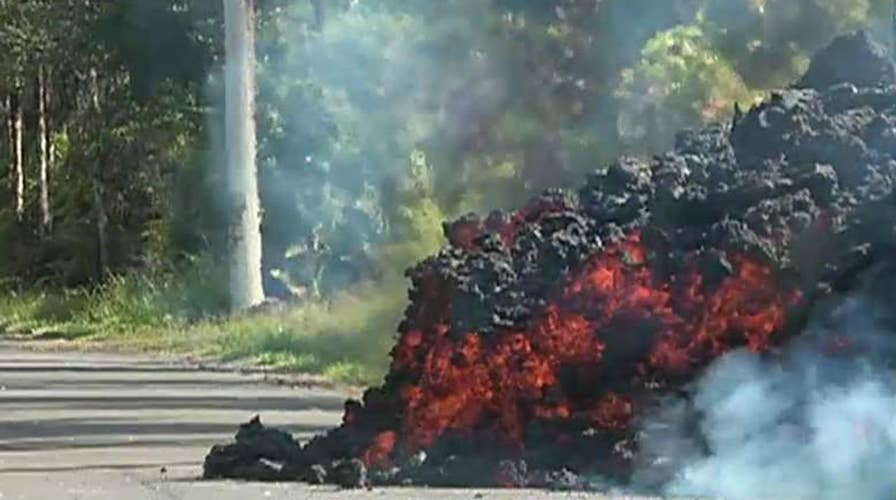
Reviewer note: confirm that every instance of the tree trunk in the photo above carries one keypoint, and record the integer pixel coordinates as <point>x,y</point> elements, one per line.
<point>18,160</point>
<point>320,13</point>
<point>893,29</point>
<point>99,205</point>
<point>45,158</point>
<point>10,139</point>
<point>246,289</point>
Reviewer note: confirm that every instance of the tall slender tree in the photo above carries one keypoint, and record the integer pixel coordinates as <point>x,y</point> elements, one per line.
<point>18,154</point>
<point>893,29</point>
<point>44,142</point>
<point>246,289</point>
<point>8,103</point>
<point>101,216</point>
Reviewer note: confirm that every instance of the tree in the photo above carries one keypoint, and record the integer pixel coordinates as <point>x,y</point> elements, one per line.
<point>101,215</point>
<point>45,149</point>
<point>680,81</point>
<point>18,160</point>
<point>245,232</point>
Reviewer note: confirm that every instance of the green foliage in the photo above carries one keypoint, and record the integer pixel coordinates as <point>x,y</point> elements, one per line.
<point>337,192</point>
<point>679,82</point>
<point>768,41</point>
<point>346,338</point>
<point>417,218</point>
<point>349,336</point>
<point>123,305</point>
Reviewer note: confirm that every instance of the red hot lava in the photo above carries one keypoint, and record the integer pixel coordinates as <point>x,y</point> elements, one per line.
<point>531,346</point>
<point>496,385</point>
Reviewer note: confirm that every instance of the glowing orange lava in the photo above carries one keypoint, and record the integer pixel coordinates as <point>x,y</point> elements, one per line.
<point>497,384</point>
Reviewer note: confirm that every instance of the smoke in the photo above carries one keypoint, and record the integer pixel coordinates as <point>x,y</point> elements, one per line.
<point>815,421</point>
<point>344,110</point>
<point>501,105</point>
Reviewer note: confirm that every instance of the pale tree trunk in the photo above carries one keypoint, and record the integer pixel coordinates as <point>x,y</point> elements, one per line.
<point>893,30</point>
<point>320,13</point>
<point>18,159</point>
<point>99,206</point>
<point>10,139</point>
<point>246,289</point>
<point>45,156</point>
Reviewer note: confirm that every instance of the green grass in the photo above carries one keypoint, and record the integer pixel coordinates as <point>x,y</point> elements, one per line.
<point>346,339</point>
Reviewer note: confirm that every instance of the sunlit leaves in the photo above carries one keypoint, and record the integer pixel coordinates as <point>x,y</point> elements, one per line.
<point>679,82</point>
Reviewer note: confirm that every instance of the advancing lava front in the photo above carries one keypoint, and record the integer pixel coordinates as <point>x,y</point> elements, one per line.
<point>534,340</point>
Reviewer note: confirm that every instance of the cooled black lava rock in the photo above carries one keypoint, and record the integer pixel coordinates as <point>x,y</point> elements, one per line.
<point>854,58</point>
<point>348,473</point>
<point>562,480</point>
<point>239,461</point>
<point>260,453</point>
<point>315,474</point>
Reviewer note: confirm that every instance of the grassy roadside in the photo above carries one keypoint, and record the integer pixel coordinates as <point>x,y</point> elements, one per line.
<point>346,339</point>
<point>177,311</point>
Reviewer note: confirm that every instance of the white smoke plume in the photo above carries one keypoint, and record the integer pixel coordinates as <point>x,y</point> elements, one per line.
<point>817,421</point>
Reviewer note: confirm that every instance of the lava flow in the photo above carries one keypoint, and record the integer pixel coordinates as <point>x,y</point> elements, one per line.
<point>494,386</point>
<point>534,341</point>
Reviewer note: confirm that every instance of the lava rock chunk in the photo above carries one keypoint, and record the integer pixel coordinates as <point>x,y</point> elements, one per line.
<point>259,454</point>
<point>348,473</point>
<point>854,58</point>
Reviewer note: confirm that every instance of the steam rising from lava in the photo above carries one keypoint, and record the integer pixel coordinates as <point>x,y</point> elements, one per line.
<point>817,422</point>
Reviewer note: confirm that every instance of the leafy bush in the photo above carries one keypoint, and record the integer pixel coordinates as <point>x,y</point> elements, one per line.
<point>680,82</point>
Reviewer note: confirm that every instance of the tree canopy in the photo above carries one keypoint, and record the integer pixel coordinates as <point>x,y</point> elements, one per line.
<point>376,120</point>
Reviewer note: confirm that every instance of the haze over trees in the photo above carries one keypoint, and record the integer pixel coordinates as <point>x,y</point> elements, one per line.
<point>376,120</point>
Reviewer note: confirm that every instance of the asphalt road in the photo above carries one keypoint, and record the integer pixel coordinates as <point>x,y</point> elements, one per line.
<point>101,426</point>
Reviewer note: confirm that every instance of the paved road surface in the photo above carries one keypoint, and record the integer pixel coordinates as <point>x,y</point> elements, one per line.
<point>97,426</point>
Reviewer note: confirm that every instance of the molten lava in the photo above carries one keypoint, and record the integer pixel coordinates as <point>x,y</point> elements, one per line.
<point>496,385</point>
<point>536,342</point>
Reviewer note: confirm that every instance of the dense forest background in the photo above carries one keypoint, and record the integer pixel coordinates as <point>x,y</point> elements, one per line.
<point>377,120</point>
